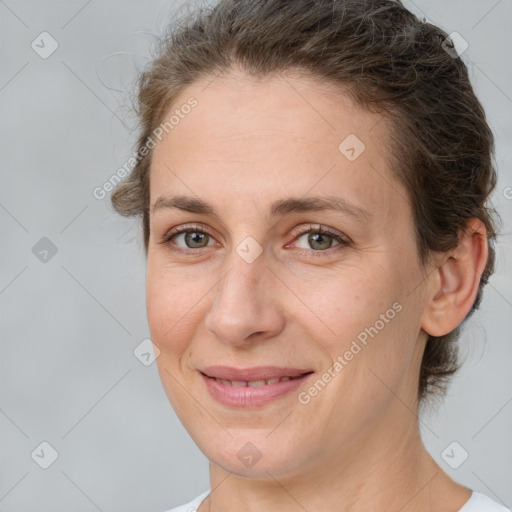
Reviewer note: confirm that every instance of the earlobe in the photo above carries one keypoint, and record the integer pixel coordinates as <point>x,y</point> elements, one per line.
<point>456,281</point>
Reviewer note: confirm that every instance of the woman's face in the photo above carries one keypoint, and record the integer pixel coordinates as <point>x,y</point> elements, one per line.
<point>262,295</point>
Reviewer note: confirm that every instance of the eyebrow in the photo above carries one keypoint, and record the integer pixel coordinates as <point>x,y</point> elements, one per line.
<point>279,207</point>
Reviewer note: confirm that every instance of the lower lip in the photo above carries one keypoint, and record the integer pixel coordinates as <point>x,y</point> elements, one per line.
<point>246,396</point>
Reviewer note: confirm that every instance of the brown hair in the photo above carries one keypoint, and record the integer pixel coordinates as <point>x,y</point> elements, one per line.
<point>388,61</point>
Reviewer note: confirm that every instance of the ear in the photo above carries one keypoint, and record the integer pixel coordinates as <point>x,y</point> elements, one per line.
<point>454,283</point>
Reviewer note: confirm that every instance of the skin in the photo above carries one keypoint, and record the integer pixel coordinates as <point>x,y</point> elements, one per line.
<point>356,445</point>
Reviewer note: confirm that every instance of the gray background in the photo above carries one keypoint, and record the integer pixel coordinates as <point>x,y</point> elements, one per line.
<point>70,324</point>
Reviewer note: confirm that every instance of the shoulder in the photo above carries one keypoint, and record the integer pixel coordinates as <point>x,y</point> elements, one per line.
<point>193,505</point>
<point>482,503</point>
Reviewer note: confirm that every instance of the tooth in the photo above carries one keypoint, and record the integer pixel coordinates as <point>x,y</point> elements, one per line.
<point>224,382</point>
<point>239,383</point>
<point>284,379</point>
<point>272,381</point>
<point>256,383</point>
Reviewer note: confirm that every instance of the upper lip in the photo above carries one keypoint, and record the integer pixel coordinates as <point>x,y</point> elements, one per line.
<point>252,374</point>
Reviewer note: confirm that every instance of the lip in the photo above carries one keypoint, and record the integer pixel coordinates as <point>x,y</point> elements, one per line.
<point>252,396</point>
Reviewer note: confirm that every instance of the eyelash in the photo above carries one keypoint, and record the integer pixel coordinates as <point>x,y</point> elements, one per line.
<point>343,241</point>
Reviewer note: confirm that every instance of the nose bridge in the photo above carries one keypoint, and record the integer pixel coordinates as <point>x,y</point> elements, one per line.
<point>240,284</point>
<point>241,303</point>
<point>246,266</point>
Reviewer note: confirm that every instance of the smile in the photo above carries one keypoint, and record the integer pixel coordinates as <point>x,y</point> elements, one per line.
<point>251,387</point>
<point>253,383</point>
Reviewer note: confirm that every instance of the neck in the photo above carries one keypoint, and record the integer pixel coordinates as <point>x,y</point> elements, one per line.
<point>385,470</point>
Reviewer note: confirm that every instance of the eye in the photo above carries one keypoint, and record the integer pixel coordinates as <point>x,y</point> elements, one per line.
<point>193,237</point>
<point>319,239</point>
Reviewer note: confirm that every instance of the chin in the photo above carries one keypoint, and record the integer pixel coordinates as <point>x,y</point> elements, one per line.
<point>249,453</point>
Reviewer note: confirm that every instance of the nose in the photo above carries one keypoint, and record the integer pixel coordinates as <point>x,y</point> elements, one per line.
<point>245,306</point>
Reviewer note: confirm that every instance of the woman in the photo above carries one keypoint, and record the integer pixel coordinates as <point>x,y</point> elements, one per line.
<point>313,178</point>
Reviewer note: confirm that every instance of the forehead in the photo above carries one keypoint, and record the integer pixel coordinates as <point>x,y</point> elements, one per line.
<point>251,138</point>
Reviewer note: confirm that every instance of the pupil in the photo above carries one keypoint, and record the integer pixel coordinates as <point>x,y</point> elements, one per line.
<point>318,238</point>
<point>195,237</point>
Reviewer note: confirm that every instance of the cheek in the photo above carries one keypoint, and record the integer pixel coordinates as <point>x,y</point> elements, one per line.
<point>169,308</point>
<point>369,323</point>
<point>349,302</point>
<point>171,315</point>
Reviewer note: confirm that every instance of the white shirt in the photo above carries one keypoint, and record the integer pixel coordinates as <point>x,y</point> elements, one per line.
<point>476,503</point>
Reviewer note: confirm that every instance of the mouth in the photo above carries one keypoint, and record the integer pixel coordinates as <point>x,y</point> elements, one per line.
<point>252,383</point>
<point>251,387</point>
